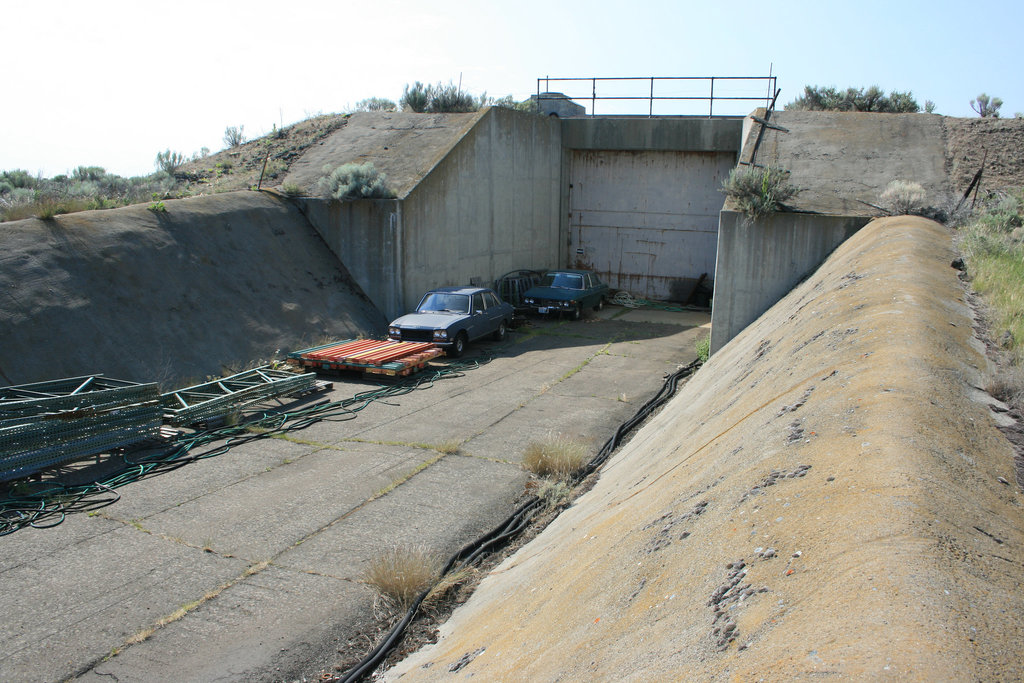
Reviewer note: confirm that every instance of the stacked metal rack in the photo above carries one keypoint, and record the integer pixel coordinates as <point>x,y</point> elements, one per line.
<point>52,423</point>
<point>220,397</point>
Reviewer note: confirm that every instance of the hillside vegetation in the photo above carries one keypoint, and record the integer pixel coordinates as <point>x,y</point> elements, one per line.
<point>238,167</point>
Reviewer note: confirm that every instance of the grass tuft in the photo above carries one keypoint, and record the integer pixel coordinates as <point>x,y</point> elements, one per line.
<point>401,573</point>
<point>447,584</point>
<point>703,348</point>
<point>557,456</point>
<point>758,191</point>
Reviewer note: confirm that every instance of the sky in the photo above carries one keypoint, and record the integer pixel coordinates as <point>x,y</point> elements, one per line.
<point>112,83</point>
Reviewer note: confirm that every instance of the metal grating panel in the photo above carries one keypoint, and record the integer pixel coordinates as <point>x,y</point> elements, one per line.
<point>220,397</point>
<point>51,423</point>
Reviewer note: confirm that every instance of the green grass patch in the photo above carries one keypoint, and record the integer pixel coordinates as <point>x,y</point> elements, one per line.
<point>993,247</point>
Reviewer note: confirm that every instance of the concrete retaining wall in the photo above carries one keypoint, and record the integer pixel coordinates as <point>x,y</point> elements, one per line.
<point>759,262</point>
<point>681,134</point>
<point>363,235</point>
<point>489,207</point>
<point>643,199</point>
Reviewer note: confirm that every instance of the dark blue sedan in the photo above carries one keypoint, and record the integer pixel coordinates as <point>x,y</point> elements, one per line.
<point>567,291</point>
<point>451,317</point>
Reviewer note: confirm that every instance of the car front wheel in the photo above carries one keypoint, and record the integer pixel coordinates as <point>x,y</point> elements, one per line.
<point>459,345</point>
<point>599,305</point>
<point>577,313</point>
<point>499,334</point>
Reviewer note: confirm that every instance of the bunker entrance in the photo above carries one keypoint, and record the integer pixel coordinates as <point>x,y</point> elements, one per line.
<point>647,221</point>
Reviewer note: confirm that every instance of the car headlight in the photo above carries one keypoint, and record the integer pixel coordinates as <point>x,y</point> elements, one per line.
<point>440,334</point>
<point>528,300</point>
<point>568,304</point>
<point>394,332</point>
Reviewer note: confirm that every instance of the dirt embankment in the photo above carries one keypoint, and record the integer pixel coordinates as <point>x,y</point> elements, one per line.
<point>206,286</point>
<point>828,496</point>
<point>997,142</point>
<point>240,167</point>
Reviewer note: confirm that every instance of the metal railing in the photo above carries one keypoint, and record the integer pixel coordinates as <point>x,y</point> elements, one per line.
<point>658,89</point>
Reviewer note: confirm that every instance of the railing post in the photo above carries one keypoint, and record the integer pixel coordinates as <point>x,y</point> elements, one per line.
<point>593,96</point>
<point>650,109</point>
<point>711,103</point>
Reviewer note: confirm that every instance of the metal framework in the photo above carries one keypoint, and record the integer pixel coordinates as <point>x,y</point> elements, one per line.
<point>649,83</point>
<point>52,423</point>
<point>222,396</point>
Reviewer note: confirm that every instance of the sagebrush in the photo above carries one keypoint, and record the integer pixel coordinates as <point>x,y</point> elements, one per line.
<point>169,162</point>
<point>234,136</point>
<point>872,99</point>
<point>355,181</point>
<point>759,191</point>
<point>376,104</point>
<point>986,107</point>
<point>903,197</point>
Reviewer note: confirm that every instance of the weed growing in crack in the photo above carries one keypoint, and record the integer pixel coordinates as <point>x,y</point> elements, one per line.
<point>401,573</point>
<point>557,456</point>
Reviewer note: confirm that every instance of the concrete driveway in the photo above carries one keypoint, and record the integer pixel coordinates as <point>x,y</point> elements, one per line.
<point>246,566</point>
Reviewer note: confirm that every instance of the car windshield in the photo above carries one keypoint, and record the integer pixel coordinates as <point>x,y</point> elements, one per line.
<point>563,281</point>
<point>443,301</point>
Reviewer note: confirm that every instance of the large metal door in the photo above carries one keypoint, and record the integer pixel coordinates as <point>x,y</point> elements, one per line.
<point>647,222</point>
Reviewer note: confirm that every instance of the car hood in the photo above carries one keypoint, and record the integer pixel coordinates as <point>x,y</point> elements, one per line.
<point>435,320</point>
<point>554,293</point>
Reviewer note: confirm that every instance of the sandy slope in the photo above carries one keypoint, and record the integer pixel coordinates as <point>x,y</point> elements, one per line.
<point>822,499</point>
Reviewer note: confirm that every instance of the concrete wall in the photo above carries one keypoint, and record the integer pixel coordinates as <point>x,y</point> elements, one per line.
<point>362,234</point>
<point>643,199</point>
<point>681,134</point>
<point>490,206</point>
<point>647,221</point>
<point>759,262</point>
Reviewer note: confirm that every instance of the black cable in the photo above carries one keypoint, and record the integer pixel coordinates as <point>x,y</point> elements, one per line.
<point>515,523</point>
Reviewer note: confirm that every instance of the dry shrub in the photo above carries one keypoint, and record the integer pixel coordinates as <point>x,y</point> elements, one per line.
<point>554,493</point>
<point>401,573</point>
<point>557,456</point>
<point>759,192</point>
<point>1008,386</point>
<point>447,585</point>
<point>903,197</point>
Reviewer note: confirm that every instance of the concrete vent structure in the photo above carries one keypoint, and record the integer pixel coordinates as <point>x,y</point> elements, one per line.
<point>558,104</point>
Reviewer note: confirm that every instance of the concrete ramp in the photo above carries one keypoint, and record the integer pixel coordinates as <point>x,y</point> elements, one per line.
<point>211,283</point>
<point>403,145</point>
<point>829,497</point>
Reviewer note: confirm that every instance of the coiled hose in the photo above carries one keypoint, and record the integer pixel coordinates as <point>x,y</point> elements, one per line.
<point>624,298</point>
<point>515,523</point>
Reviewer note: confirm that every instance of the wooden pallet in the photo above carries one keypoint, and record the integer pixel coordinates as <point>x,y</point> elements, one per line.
<point>368,356</point>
